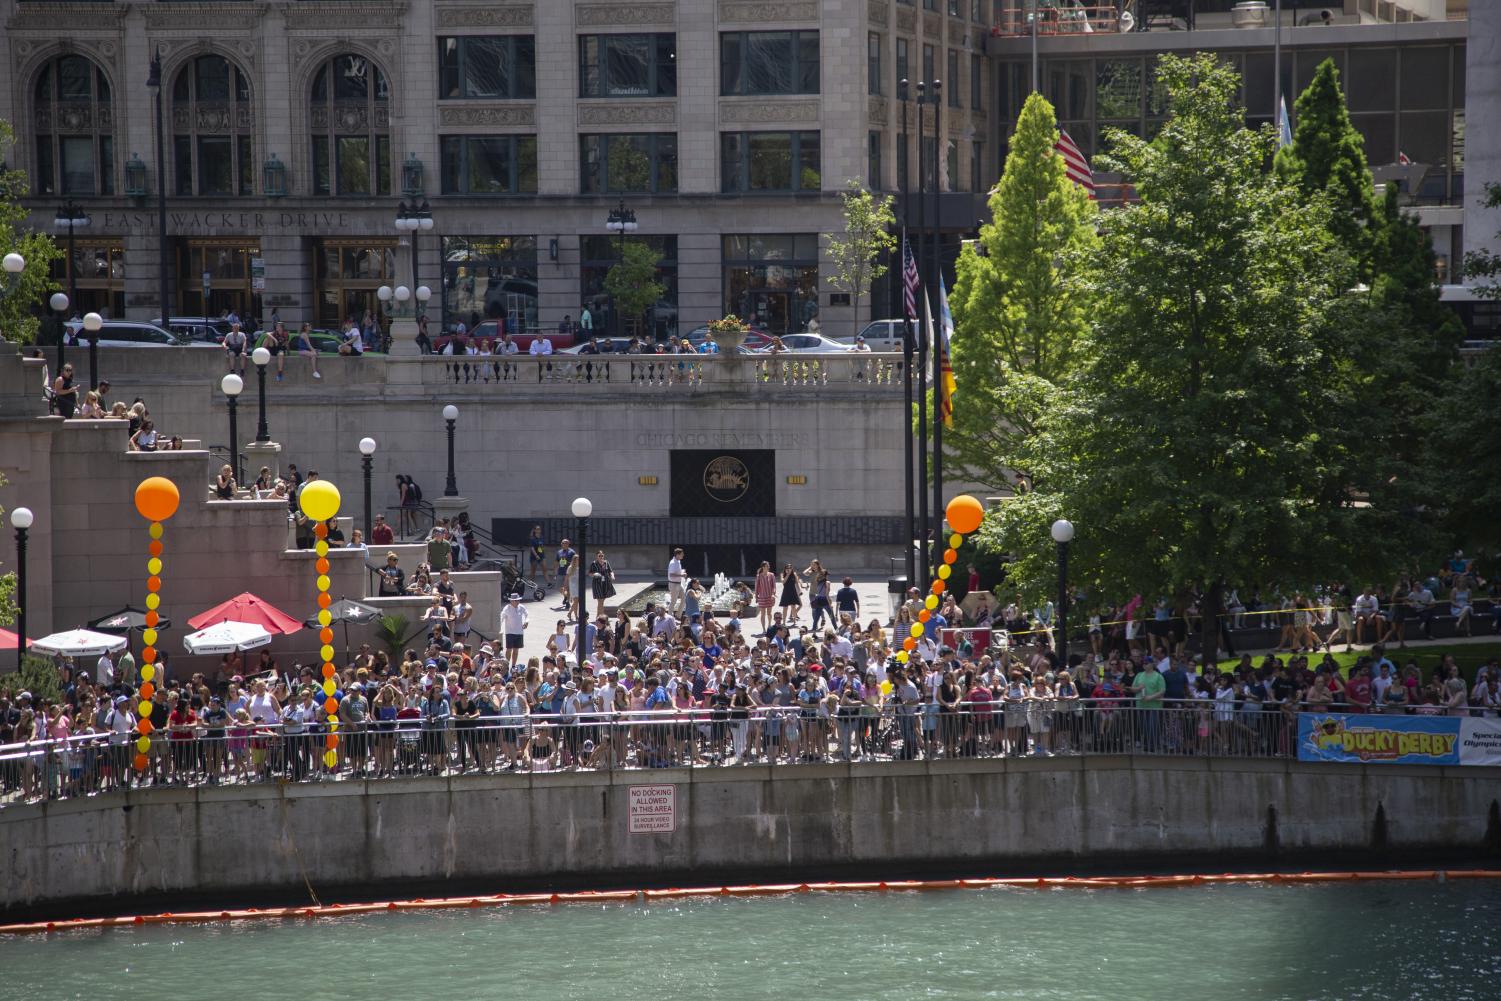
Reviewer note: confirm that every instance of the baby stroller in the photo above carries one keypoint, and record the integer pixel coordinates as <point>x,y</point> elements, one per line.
<point>516,584</point>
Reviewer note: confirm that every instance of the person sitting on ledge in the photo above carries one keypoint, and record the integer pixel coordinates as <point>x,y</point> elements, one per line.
<point>224,484</point>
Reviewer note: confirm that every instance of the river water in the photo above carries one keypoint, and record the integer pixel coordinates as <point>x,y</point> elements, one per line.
<point>1354,942</point>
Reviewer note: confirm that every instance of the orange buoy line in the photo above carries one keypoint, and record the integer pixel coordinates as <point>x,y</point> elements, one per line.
<point>754,890</point>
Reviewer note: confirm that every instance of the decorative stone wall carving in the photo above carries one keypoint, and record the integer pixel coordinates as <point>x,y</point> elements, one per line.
<point>755,11</point>
<point>877,111</point>
<point>47,16</point>
<point>769,111</point>
<point>629,13</point>
<point>214,17</point>
<point>470,115</point>
<point>627,114</point>
<point>906,19</point>
<point>879,13</point>
<point>383,17</point>
<point>485,17</point>
<point>932,27</point>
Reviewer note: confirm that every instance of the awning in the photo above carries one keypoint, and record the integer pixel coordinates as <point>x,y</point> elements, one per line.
<point>248,608</point>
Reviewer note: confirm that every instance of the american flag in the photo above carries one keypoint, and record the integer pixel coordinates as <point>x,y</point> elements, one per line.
<point>1074,162</point>
<point>909,278</point>
<point>1403,159</point>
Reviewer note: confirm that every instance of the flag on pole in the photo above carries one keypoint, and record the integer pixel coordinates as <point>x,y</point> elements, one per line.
<point>946,385</point>
<point>1403,159</point>
<point>925,336</point>
<point>909,278</point>
<point>1284,126</point>
<point>1074,162</point>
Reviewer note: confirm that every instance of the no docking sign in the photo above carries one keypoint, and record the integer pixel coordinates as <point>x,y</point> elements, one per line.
<point>653,809</point>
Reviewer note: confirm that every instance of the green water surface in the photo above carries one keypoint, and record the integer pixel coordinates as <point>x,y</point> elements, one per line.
<point>1371,941</point>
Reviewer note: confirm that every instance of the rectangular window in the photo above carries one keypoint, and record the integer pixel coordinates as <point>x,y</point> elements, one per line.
<point>771,280</point>
<point>322,175</point>
<point>977,181</point>
<point>929,4</point>
<point>901,159</point>
<point>497,67</point>
<point>45,181</point>
<point>927,63</point>
<point>953,86</point>
<point>769,161</point>
<point>597,254</point>
<point>628,65</point>
<point>873,162</point>
<point>490,284</point>
<point>977,11</point>
<point>768,62</point>
<point>489,165</point>
<point>246,146</point>
<point>216,168</point>
<point>929,160</point>
<point>901,68</point>
<point>352,164</point>
<point>954,8</point>
<point>873,63</point>
<point>951,167</point>
<point>78,165</point>
<point>976,82</point>
<point>182,164</point>
<point>629,163</point>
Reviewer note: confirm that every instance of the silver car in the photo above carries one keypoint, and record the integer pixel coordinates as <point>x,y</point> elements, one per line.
<point>813,344</point>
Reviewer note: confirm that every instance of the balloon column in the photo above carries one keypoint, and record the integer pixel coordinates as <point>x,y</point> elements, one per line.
<point>964,514</point>
<point>156,501</point>
<point>319,500</point>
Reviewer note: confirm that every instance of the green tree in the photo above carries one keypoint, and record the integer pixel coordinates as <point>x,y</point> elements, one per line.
<point>632,282</point>
<point>1482,263</point>
<point>20,295</point>
<point>856,255</point>
<point>1471,454</point>
<point>1327,158</point>
<point>1201,442</point>
<point>7,584</point>
<point>1019,307</point>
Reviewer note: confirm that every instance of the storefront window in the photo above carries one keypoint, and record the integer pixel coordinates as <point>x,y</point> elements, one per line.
<point>98,272</point>
<point>490,278</point>
<point>349,272</point>
<point>600,253</point>
<point>771,281</point>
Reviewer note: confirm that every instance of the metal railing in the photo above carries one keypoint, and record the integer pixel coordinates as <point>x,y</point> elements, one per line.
<point>778,736</point>
<point>690,371</point>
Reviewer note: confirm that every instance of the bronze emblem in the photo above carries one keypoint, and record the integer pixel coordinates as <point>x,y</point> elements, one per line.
<point>726,479</point>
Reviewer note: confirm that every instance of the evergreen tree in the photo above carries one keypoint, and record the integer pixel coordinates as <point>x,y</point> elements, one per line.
<point>1019,308</point>
<point>1327,157</point>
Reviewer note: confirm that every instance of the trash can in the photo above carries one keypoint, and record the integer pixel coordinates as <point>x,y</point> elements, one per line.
<point>896,593</point>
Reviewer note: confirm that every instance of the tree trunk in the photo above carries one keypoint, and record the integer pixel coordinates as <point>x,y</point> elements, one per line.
<point>1209,623</point>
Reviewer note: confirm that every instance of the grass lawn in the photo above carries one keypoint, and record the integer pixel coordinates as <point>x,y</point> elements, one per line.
<point>1468,656</point>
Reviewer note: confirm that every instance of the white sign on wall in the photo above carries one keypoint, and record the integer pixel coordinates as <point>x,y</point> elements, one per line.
<point>653,809</point>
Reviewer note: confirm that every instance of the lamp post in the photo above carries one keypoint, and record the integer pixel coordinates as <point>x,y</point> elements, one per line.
<point>367,461</point>
<point>59,303</point>
<point>233,385</point>
<point>20,520</point>
<point>620,220</point>
<point>261,357</point>
<point>92,322</point>
<point>935,94</point>
<point>908,343</point>
<point>450,417</point>
<point>71,217</point>
<point>582,508</point>
<point>154,82</point>
<point>1063,534</point>
<point>926,567</point>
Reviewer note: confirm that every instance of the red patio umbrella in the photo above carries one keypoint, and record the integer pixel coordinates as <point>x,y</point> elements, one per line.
<point>248,608</point>
<point>8,640</point>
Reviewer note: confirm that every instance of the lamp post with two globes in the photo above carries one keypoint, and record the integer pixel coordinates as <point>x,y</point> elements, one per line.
<point>261,358</point>
<point>1063,534</point>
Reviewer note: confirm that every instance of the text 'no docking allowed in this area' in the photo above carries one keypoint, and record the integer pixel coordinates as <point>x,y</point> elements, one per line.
<point>653,809</point>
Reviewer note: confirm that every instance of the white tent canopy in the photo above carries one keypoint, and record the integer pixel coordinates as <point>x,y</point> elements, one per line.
<point>226,637</point>
<point>79,643</point>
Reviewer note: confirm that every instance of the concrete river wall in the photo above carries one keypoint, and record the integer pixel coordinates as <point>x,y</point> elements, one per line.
<point>491,834</point>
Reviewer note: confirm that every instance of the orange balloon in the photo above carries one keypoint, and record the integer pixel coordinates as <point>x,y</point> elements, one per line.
<point>154,547</point>
<point>322,565</point>
<point>152,618</point>
<point>147,689</point>
<point>328,670</point>
<point>148,654</point>
<point>330,705</point>
<point>909,644</point>
<point>331,741</point>
<point>157,498</point>
<point>939,587</point>
<point>924,615</point>
<point>324,600</point>
<point>153,583</point>
<point>140,762</point>
<point>320,529</point>
<point>964,514</point>
<point>950,556</point>
<point>144,727</point>
<point>326,635</point>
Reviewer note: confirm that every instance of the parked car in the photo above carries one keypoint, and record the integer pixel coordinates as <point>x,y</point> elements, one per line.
<point>205,329</point>
<point>880,335</point>
<point>600,346</point>
<point>812,344</point>
<point>755,337</point>
<point>131,334</point>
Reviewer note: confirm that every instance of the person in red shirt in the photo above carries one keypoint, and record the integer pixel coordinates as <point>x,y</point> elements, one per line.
<point>380,532</point>
<point>1358,690</point>
<point>180,726</point>
<point>974,580</point>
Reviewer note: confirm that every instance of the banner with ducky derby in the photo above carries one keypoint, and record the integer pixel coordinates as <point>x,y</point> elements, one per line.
<point>1369,739</point>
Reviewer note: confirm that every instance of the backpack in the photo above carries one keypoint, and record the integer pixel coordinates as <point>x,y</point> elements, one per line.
<point>413,490</point>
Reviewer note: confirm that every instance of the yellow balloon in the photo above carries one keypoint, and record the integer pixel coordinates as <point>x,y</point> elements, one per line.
<point>930,602</point>
<point>155,531</point>
<point>333,723</point>
<point>328,686</point>
<point>901,656</point>
<point>324,618</point>
<point>326,652</point>
<point>918,629</point>
<point>148,671</point>
<point>323,582</point>
<point>320,547</point>
<point>148,637</point>
<point>153,600</point>
<point>886,685</point>
<point>956,540</point>
<point>153,566</point>
<point>319,500</point>
<point>331,758</point>
<point>944,571</point>
<point>145,709</point>
<point>143,744</point>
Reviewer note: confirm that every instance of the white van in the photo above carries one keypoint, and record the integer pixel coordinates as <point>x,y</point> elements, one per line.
<point>880,335</point>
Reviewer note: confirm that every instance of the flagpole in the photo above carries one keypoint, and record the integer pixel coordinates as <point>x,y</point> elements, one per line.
<point>922,371</point>
<point>911,529</point>
<point>938,160</point>
<point>1277,65</point>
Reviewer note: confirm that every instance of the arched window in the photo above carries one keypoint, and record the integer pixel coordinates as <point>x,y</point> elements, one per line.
<point>75,146</point>
<point>213,127</point>
<point>350,121</point>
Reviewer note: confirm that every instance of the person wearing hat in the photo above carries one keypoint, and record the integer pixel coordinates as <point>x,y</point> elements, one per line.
<point>513,622</point>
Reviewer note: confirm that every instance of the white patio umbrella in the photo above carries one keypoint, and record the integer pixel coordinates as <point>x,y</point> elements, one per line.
<point>79,643</point>
<point>226,637</point>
